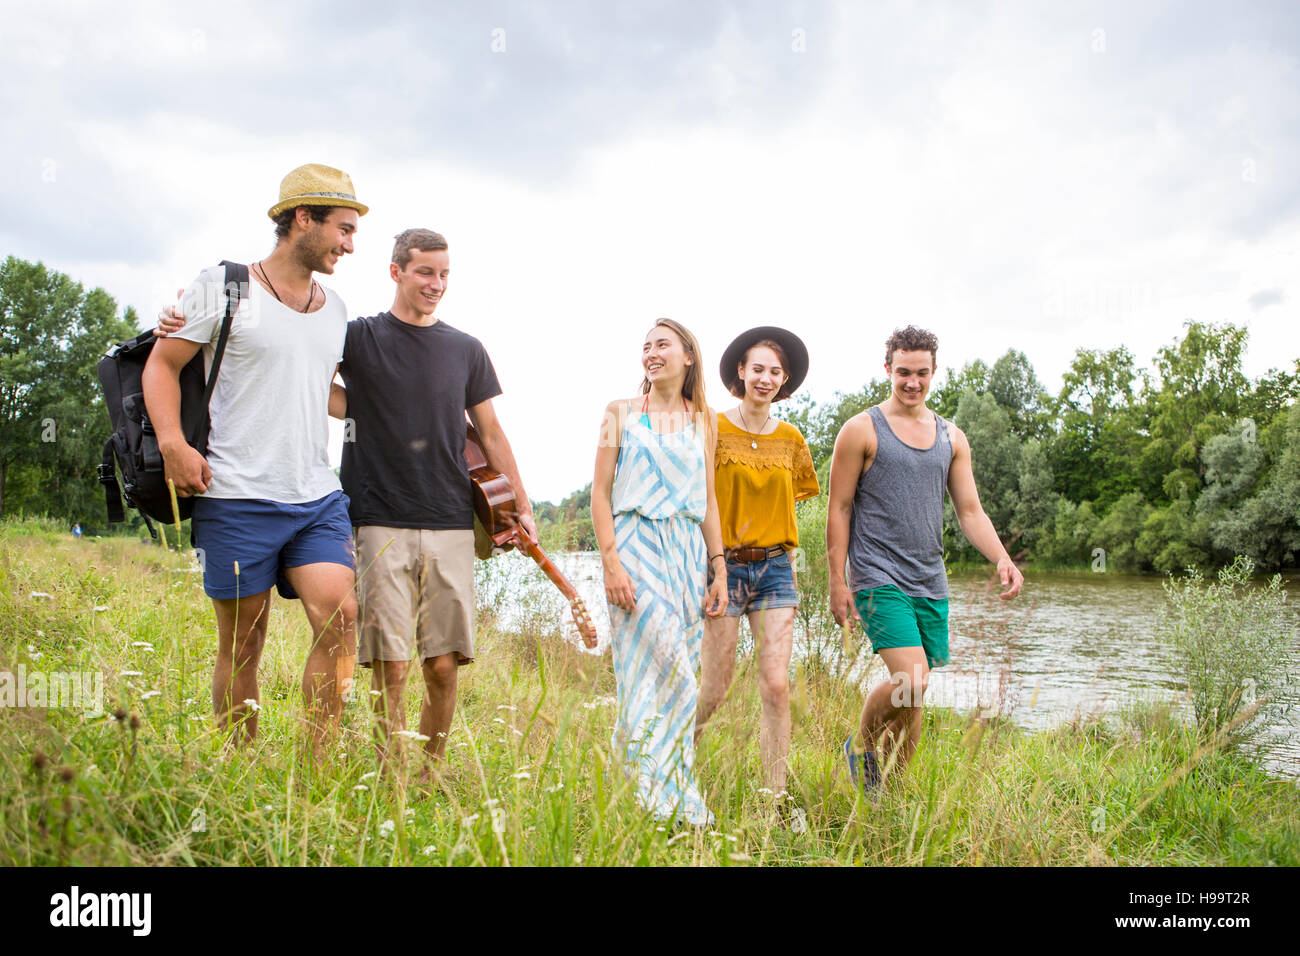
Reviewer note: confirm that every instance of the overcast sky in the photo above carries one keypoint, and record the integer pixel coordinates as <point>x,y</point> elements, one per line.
<point>1037,176</point>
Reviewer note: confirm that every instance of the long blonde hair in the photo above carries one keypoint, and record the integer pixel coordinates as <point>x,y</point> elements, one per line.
<point>693,382</point>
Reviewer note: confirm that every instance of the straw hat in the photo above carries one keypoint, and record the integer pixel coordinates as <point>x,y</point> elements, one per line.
<point>316,185</point>
<point>795,351</point>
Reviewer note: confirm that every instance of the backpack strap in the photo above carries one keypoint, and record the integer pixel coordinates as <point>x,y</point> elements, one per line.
<point>108,478</point>
<point>236,280</point>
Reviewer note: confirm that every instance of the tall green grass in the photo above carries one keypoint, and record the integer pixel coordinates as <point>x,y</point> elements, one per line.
<point>530,777</point>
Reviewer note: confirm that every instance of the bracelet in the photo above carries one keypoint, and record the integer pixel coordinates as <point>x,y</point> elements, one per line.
<point>718,555</point>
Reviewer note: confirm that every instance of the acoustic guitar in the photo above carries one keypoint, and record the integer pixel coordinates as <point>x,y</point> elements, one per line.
<point>496,510</point>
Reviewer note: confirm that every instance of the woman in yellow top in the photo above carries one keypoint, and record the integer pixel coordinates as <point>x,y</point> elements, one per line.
<point>762,468</point>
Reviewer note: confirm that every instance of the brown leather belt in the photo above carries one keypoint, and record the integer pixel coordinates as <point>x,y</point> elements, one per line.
<point>746,555</point>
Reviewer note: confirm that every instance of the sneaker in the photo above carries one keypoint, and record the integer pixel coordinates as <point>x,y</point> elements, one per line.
<point>863,768</point>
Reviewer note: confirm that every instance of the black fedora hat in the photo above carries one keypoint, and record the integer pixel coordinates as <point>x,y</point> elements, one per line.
<point>796,355</point>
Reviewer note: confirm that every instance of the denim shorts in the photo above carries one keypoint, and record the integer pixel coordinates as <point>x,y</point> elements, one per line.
<point>760,584</point>
<point>264,538</point>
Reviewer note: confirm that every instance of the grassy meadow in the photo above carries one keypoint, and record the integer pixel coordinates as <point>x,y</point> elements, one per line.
<point>530,778</point>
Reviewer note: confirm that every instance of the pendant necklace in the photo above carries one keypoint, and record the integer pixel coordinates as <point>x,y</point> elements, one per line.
<point>753,439</point>
<point>310,295</point>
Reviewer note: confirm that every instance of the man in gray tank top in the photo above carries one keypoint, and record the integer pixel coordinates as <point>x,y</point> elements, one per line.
<point>891,466</point>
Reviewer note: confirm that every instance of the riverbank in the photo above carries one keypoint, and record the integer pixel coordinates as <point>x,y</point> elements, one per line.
<point>530,776</point>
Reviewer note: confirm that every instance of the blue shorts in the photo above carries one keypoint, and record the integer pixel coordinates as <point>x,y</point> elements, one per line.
<point>756,585</point>
<point>265,537</point>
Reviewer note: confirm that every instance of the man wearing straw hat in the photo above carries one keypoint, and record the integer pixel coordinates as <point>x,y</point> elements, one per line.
<point>269,510</point>
<point>410,503</point>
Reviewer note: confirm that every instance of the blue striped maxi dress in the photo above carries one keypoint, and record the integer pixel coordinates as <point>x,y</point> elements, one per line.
<point>659,500</point>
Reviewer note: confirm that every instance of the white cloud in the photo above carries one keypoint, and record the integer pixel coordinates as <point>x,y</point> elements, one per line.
<point>982,171</point>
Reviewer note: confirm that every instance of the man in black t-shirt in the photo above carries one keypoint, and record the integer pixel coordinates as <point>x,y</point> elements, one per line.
<point>409,380</point>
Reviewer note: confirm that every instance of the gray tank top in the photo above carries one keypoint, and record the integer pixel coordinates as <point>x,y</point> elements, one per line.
<point>896,527</point>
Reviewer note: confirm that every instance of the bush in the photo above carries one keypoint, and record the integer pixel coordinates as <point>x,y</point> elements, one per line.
<point>1175,537</point>
<point>1118,532</point>
<point>1234,641</point>
<point>1068,539</point>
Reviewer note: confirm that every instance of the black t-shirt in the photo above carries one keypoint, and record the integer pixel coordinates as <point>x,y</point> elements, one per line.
<point>404,448</point>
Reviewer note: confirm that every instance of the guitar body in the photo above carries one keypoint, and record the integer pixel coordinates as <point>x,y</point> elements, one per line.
<point>497,513</point>
<point>494,499</point>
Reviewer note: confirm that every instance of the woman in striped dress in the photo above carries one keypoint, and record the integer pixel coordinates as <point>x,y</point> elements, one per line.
<point>656,519</point>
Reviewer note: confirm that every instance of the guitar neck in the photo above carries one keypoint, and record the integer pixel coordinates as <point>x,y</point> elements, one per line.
<point>537,554</point>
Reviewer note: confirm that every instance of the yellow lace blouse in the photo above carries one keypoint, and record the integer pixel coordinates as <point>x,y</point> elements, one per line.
<point>757,488</point>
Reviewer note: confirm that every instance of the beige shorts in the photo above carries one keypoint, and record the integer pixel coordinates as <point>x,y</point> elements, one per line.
<point>415,590</point>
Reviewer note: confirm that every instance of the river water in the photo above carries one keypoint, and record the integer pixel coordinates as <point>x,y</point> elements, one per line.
<point>1070,646</point>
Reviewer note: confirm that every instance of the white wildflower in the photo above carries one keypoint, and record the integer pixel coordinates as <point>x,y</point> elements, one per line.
<point>101,607</point>
<point>387,827</point>
<point>367,776</point>
<point>557,788</point>
<point>506,707</point>
<point>469,820</point>
<point>799,820</point>
<point>411,735</point>
<point>361,787</point>
<point>521,775</point>
<point>497,720</point>
<point>130,674</point>
<point>429,850</point>
<point>252,704</point>
<point>42,595</point>
<point>150,693</point>
<point>145,644</point>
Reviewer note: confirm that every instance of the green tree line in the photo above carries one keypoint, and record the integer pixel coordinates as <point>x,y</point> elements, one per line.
<point>53,422</point>
<point>1184,463</point>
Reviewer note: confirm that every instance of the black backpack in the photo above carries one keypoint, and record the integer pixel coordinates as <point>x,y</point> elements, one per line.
<point>133,443</point>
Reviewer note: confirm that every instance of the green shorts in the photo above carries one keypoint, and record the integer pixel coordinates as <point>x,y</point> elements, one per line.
<point>893,619</point>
